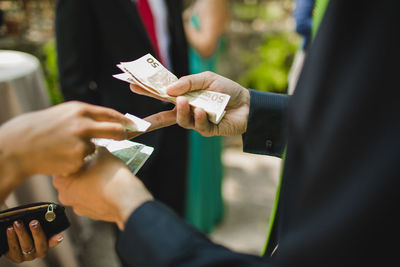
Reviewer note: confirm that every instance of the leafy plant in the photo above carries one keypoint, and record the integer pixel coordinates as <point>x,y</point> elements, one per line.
<point>51,72</point>
<point>269,67</point>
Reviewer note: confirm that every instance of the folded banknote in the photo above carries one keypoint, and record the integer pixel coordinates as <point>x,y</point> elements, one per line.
<point>140,125</point>
<point>148,73</point>
<point>133,154</point>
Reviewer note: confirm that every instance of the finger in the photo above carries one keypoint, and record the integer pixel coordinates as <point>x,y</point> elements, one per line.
<point>55,240</point>
<point>102,153</point>
<point>39,238</point>
<point>25,241</point>
<point>90,148</point>
<point>103,114</point>
<point>100,113</point>
<point>201,122</point>
<point>191,83</point>
<point>78,154</point>
<point>140,91</point>
<point>14,250</point>
<point>61,182</point>
<point>183,115</point>
<point>109,130</point>
<point>162,119</point>
<point>158,120</point>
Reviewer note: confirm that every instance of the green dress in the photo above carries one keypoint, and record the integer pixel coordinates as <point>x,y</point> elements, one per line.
<point>204,204</point>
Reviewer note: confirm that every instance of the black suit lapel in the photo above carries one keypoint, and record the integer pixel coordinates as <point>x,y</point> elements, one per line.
<point>129,9</point>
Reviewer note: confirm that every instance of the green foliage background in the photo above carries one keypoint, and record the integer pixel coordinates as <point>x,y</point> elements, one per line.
<point>49,64</point>
<point>269,66</point>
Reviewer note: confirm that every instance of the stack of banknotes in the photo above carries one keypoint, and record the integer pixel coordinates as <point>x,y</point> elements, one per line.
<point>133,154</point>
<point>148,73</point>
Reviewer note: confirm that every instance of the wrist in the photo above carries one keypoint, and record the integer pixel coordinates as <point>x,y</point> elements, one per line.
<point>11,159</point>
<point>128,211</point>
<point>129,195</point>
<point>10,163</point>
<point>10,174</point>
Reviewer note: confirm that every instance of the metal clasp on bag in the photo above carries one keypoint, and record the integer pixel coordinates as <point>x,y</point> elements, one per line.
<point>50,214</point>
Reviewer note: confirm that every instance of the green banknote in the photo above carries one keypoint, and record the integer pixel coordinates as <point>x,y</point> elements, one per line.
<point>133,154</point>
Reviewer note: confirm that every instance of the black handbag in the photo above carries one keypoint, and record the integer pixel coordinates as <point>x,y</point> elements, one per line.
<point>51,216</point>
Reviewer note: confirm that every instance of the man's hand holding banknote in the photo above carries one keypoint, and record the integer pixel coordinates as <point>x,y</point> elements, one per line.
<point>206,102</point>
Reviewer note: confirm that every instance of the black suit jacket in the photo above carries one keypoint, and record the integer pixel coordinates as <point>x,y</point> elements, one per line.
<point>95,35</point>
<point>340,188</point>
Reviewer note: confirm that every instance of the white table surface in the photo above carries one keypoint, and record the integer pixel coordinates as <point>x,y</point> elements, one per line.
<point>15,64</point>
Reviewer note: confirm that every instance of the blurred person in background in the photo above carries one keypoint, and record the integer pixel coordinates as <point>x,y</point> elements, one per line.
<point>95,35</point>
<point>51,141</point>
<point>303,15</point>
<point>338,195</point>
<point>205,21</point>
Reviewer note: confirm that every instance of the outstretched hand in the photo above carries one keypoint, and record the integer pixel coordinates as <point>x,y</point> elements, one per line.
<point>237,110</point>
<point>56,140</point>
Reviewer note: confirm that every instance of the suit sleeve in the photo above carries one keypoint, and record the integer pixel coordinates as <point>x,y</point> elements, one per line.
<point>266,128</point>
<point>155,236</point>
<point>75,50</point>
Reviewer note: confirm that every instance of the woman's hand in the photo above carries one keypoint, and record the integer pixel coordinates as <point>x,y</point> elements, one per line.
<point>23,248</point>
<point>56,140</point>
<point>213,17</point>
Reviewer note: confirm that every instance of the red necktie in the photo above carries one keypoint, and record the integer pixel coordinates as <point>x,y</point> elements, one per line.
<point>148,21</point>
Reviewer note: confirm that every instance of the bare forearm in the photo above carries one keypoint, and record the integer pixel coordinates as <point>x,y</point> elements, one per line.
<point>12,159</point>
<point>203,43</point>
<point>213,18</point>
<point>10,174</point>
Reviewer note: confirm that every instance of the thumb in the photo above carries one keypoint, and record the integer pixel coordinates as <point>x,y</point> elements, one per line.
<point>102,152</point>
<point>55,240</point>
<point>179,87</point>
<point>192,82</point>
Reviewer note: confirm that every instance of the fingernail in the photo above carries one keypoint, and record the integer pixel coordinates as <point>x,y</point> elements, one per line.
<point>126,133</point>
<point>10,229</point>
<point>18,224</point>
<point>60,238</point>
<point>34,224</point>
<point>131,127</point>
